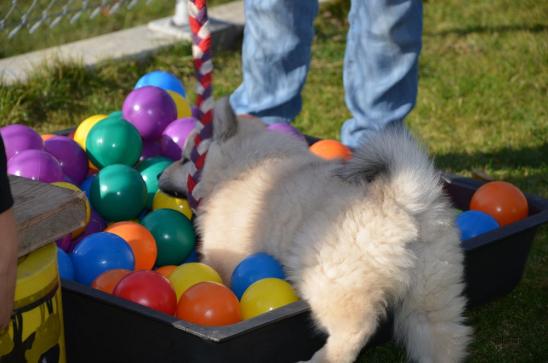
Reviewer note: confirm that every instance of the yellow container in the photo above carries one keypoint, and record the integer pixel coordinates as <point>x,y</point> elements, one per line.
<point>36,333</point>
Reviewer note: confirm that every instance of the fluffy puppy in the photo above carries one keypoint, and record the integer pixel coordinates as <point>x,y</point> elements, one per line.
<point>354,237</point>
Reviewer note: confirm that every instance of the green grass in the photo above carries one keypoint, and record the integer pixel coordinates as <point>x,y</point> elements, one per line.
<point>83,27</point>
<point>481,105</point>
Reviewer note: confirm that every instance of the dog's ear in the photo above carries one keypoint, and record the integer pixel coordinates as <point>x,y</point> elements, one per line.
<point>225,123</point>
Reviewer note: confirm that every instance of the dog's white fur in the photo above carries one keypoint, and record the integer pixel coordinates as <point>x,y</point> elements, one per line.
<point>354,238</point>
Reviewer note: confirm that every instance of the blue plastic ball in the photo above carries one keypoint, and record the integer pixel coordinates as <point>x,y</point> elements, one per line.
<point>472,223</point>
<point>192,257</point>
<point>162,79</point>
<point>100,252</point>
<point>253,268</point>
<point>86,184</point>
<point>64,264</point>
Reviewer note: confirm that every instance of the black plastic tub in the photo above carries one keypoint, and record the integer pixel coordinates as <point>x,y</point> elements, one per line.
<point>102,328</point>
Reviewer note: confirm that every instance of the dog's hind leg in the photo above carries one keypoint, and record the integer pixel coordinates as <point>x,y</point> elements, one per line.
<point>350,319</point>
<point>428,319</point>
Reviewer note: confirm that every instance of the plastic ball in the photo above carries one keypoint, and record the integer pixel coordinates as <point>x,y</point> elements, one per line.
<point>286,129</point>
<point>330,150</point>
<point>151,148</point>
<point>46,137</point>
<point>73,187</point>
<point>64,264</point>
<point>164,201</point>
<point>140,240</point>
<point>502,201</point>
<point>36,165</point>
<point>174,235</point>
<point>85,186</point>
<point>108,280</point>
<point>183,108</point>
<point>472,223</point>
<point>209,304</point>
<point>253,268</point>
<point>96,224</point>
<point>65,243</point>
<point>150,110</point>
<point>113,141</point>
<point>174,137</point>
<point>192,257</point>
<point>189,274</point>
<point>18,138</point>
<point>150,170</point>
<point>82,131</point>
<point>148,288</point>
<point>266,295</point>
<point>118,193</point>
<point>71,157</point>
<point>166,270</point>
<point>100,252</point>
<point>162,79</point>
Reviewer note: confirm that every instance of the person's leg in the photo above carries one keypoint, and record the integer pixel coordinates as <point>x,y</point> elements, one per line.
<point>380,65</point>
<point>275,58</point>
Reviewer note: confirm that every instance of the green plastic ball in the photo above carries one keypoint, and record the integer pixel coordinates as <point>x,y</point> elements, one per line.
<point>118,193</point>
<point>174,235</point>
<point>113,140</point>
<point>150,169</point>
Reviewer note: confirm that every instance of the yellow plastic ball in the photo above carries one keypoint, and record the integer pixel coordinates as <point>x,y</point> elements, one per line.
<point>265,295</point>
<point>183,108</point>
<point>71,186</point>
<point>163,200</point>
<point>189,274</point>
<point>83,129</point>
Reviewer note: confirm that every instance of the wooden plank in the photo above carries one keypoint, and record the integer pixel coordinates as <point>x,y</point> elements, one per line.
<point>44,212</point>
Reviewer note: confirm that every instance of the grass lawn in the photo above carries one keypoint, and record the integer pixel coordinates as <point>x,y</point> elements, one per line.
<point>481,105</point>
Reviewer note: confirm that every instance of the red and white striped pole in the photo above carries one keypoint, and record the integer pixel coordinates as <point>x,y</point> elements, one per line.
<point>201,54</point>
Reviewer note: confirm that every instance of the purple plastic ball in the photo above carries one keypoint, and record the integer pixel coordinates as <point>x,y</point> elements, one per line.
<point>286,129</point>
<point>70,155</point>
<point>36,165</point>
<point>151,148</point>
<point>175,135</point>
<point>18,138</point>
<point>96,224</point>
<point>150,109</point>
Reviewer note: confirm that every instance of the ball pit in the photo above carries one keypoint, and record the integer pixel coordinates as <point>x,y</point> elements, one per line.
<point>174,137</point>
<point>164,201</point>
<point>151,148</point>
<point>82,131</point>
<point>473,223</point>
<point>253,268</point>
<point>331,150</point>
<point>181,104</point>
<point>64,264</point>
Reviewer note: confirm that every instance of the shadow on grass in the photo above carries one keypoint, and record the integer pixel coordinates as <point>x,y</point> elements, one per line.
<point>480,29</point>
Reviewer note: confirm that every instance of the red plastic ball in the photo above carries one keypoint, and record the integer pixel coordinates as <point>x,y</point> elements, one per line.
<point>148,288</point>
<point>209,304</point>
<point>502,201</point>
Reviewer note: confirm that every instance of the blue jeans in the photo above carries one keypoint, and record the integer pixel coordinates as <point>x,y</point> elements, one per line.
<point>380,64</point>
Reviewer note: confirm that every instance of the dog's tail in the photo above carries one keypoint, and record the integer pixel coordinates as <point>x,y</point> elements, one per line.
<point>394,155</point>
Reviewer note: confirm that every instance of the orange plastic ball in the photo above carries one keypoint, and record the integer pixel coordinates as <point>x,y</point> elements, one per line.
<point>108,280</point>
<point>502,201</point>
<point>166,270</point>
<point>46,137</point>
<point>209,304</point>
<point>330,149</point>
<point>140,240</point>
